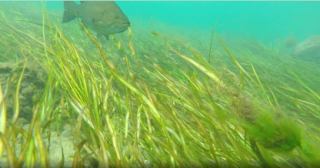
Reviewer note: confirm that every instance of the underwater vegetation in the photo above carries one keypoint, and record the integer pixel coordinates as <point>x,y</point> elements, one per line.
<point>149,98</point>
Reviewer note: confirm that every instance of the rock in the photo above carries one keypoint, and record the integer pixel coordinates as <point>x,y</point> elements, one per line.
<point>308,49</point>
<point>32,84</point>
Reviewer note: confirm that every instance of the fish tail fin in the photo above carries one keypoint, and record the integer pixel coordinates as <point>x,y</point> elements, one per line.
<point>69,11</point>
<point>107,37</point>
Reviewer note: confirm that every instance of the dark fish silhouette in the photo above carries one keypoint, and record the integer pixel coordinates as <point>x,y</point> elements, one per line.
<point>103,17</point>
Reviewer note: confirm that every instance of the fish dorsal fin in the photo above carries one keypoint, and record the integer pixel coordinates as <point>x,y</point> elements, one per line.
<point>69,13</point>
<point>99,36</point>
<point>107,36</point>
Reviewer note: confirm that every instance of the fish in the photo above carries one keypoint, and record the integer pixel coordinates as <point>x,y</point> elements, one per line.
<point>104,17</point>
<point>290,42</point>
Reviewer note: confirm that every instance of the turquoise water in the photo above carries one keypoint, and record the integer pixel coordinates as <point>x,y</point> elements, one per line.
<point>266,21</point>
